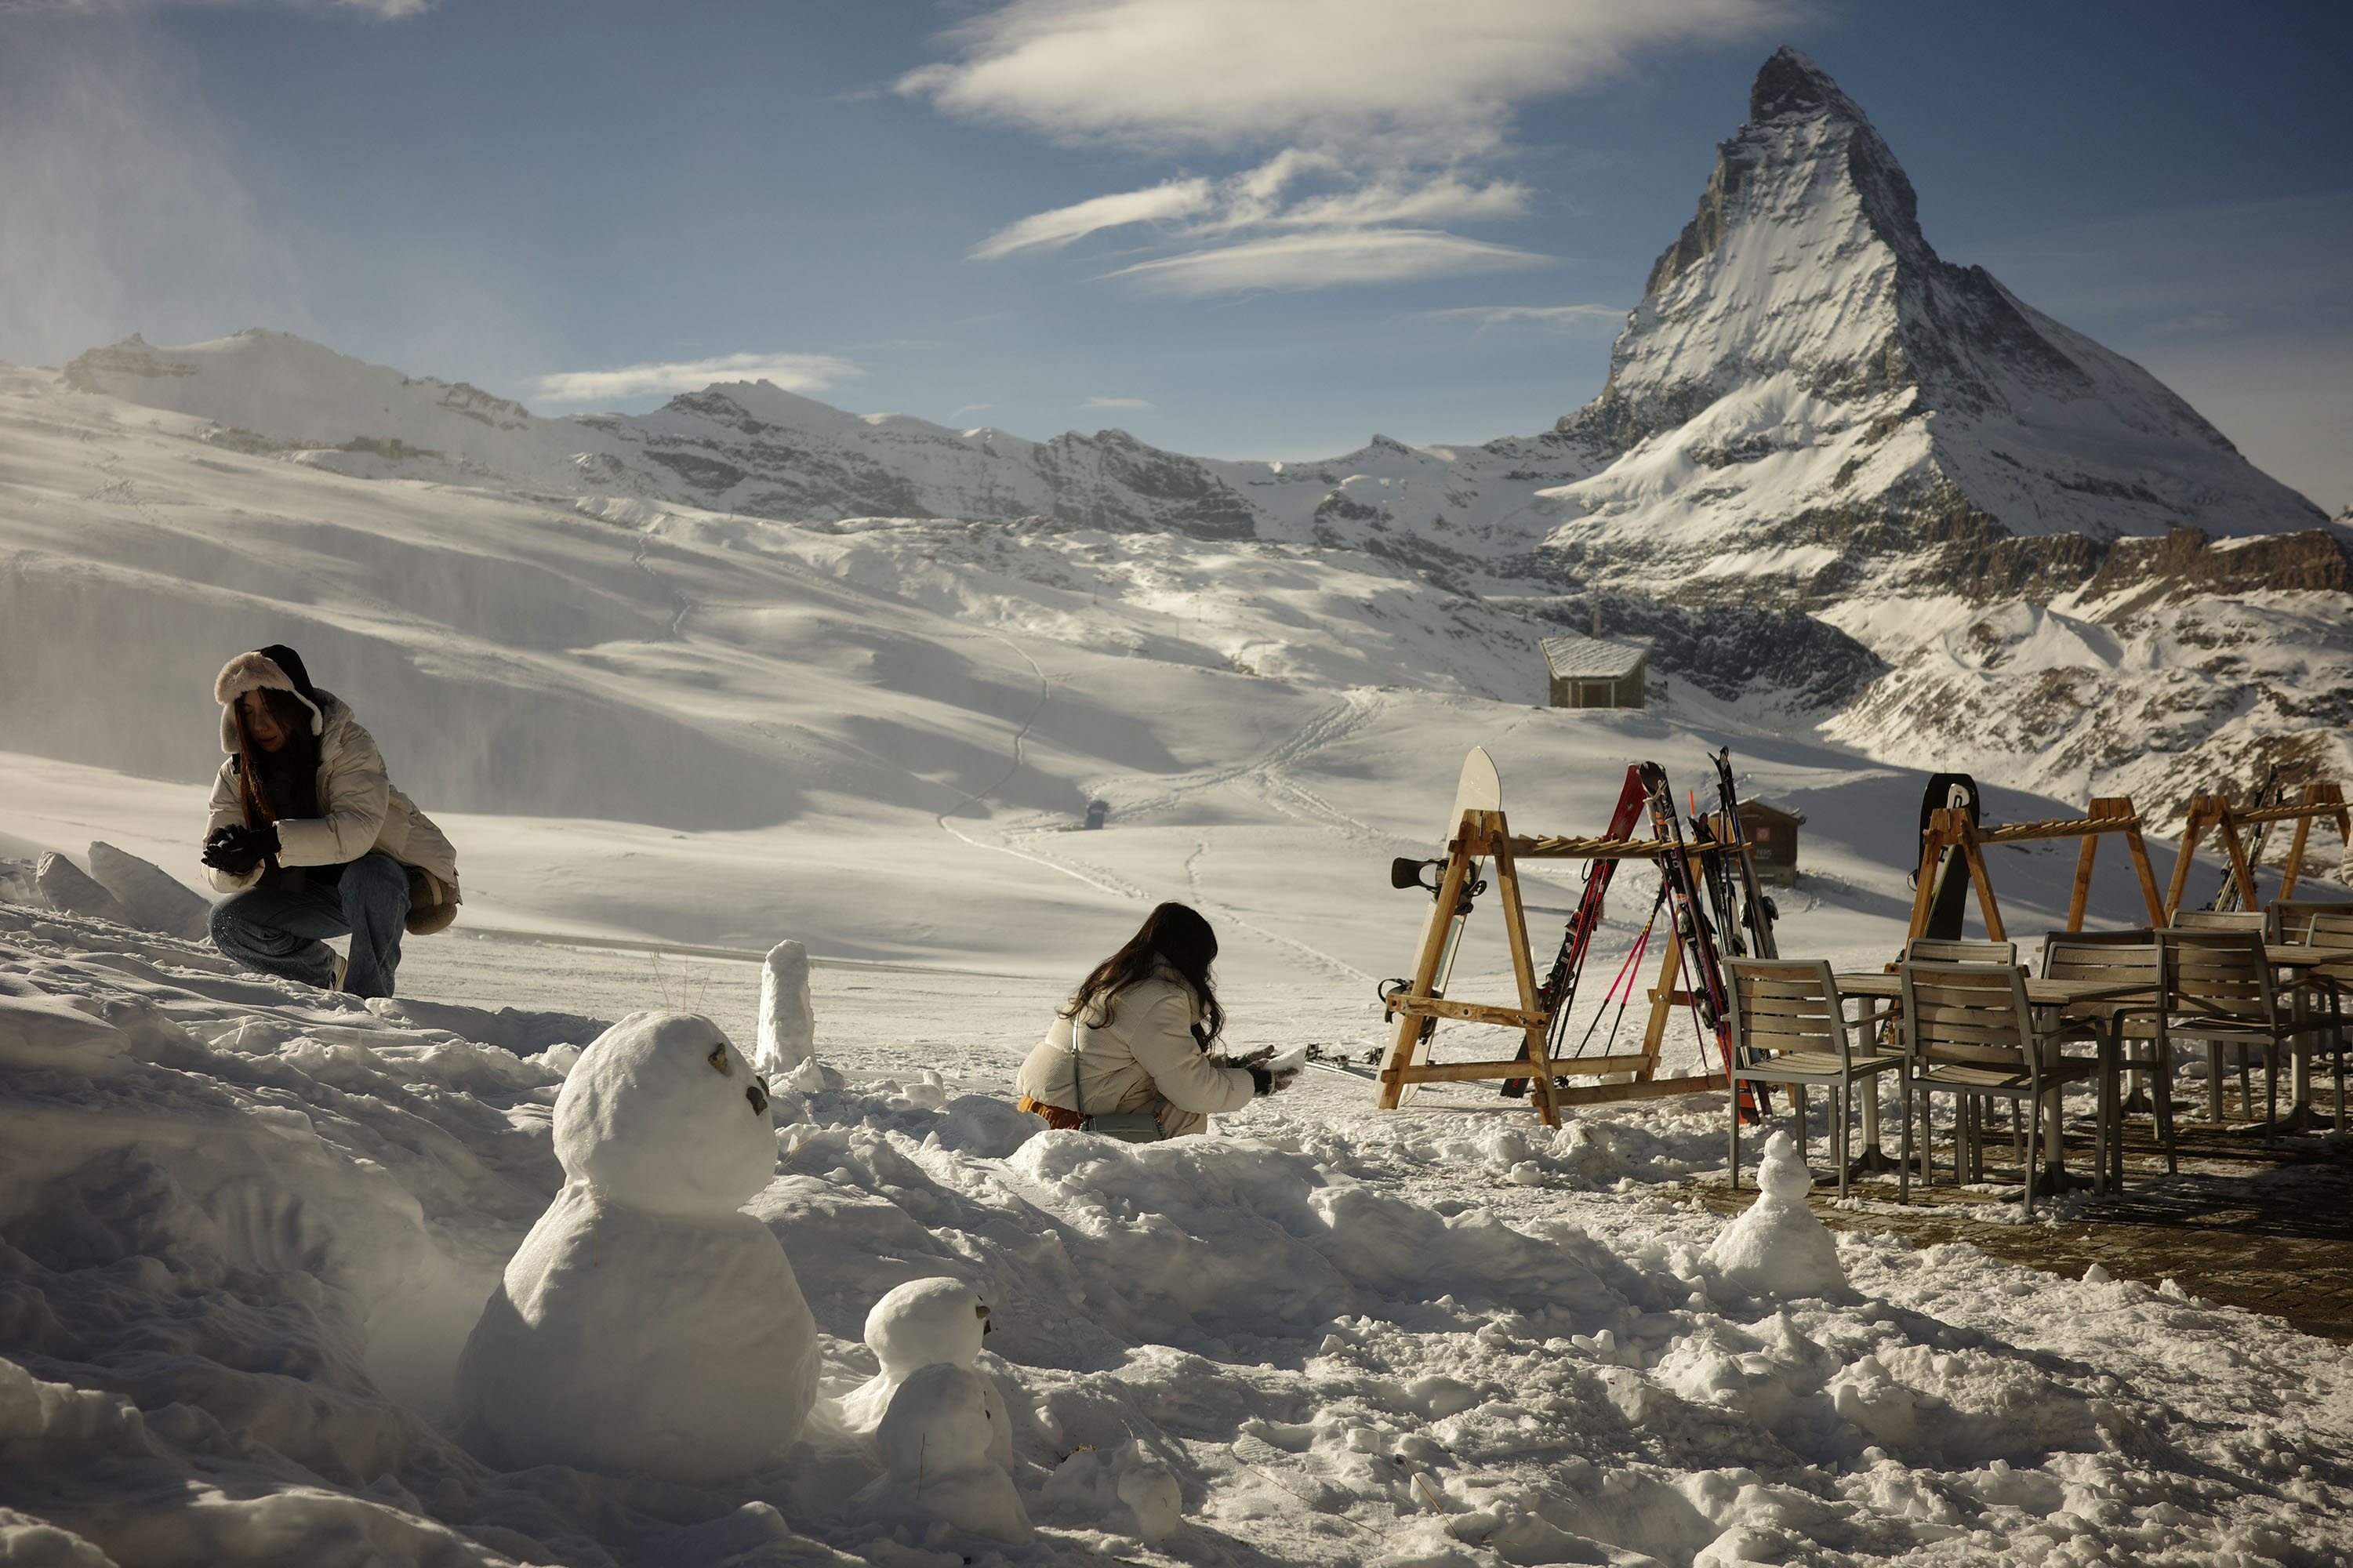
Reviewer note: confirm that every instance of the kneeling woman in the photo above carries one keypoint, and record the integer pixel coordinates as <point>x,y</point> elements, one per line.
<point>310,840</point>
<point>1130,1053</point>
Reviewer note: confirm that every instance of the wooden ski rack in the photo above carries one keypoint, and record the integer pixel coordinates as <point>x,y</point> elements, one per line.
<point>1485,834</point>
<point>2215,811</point>
<point>1949,828</point>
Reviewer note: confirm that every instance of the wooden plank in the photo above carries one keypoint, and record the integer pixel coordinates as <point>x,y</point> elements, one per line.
<point>1986,908</point>
<point>1516,936</point>
<point>2149,899</point>
<point>1425,974</point>
<point>1662,995</point>
<point>1925,887</point>
<point>1654,1089</point>
<point>1466,1012</point>
<point>2193,827</point>
<point>2295,867</point>
<point>1521,1066</point>
<point>2239,870</point>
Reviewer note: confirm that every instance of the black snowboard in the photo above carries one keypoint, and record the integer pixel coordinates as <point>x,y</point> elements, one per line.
<point>1952,869</point>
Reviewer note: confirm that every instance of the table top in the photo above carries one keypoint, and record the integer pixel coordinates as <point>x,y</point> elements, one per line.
<point>2298,956</point>
<point>2040,993</point>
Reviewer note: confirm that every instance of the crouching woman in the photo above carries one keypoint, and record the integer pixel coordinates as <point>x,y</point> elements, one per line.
<point>1129,1056</point>
<point>310,840</point>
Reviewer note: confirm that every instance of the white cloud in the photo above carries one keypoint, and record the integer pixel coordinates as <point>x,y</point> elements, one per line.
<point>1060,226</point>
<point>1114,406</point>
<point>1316,259</point>
<point>794,373</point>
<point>383,10</point>
<point>1550,317</point>
<point>1376,113</point>
<point>1162,74</point>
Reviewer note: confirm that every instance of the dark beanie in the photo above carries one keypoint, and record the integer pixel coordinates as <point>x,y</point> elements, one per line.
<point>287,659</point>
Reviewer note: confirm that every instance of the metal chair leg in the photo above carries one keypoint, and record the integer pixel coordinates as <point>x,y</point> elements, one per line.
<point>1903,1150</point>
<point>1733,1105</point>
<point>1798,1105</point>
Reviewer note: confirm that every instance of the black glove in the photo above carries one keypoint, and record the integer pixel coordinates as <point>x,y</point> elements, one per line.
<point>237,849</point>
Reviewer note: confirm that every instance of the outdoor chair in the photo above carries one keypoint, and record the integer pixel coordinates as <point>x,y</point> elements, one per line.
<point>2292,918</point>
<point>1969,1032</point>
<point>2332,929</point>
<point>2219,988</point>
<point>2129,1026</point>
<point>1942,950</point>
<point>1787,1014</point>
<point>2220,920</point>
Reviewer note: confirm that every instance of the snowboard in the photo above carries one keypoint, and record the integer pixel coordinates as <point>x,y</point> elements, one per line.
<point>1950,898</point>
<point>1478,788</point>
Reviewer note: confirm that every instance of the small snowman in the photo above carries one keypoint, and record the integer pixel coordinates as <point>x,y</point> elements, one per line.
<point>1778,1249</point>
<point>647,1323</point>
<point>938,1443</point>
<point>921,1323</point>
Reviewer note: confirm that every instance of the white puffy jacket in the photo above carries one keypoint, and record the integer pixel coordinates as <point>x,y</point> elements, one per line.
<point>361,810</point>
<point>1144,1059</point>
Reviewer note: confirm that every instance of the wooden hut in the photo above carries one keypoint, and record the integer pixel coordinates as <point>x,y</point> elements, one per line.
<point>1595,671</point>
<point>1772,834</point>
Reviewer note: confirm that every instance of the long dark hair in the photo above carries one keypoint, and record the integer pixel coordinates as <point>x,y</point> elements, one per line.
<point>1172,933</point>
<point>300,754</point>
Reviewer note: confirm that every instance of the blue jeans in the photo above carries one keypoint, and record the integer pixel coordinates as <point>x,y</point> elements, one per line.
<point>277,933</point>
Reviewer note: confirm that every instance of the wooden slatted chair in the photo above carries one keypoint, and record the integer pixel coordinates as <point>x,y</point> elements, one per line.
<point>2130,1026</point>
<point>1947,950</point>
<point>1788,1015</point>
<point>2292,918</point>
<point>1969,1032</point>
<point>2220,920</point>
<point>2332,927</point>
<point>2219,988</point>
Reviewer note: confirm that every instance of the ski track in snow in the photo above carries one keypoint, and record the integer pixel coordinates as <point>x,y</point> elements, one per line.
<point>1202,897</point>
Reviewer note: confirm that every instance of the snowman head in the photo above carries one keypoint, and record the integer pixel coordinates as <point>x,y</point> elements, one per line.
<point>662,1113</point>
<point>926,1321</point>
<point>1782,1175</point>
<point>938,1421</point>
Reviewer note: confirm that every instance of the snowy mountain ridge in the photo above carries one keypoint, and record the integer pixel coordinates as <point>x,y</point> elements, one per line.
<point>1830,475</point>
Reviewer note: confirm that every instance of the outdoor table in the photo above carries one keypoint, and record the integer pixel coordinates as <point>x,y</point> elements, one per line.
<point>2305,963</point>
<point>2057,993</point>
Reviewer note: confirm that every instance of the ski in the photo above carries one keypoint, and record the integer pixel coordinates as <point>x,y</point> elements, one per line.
<point>1757,913</point>
<point>1711,1006</point>
<point>2226,897</point>
<point>1557,995</point>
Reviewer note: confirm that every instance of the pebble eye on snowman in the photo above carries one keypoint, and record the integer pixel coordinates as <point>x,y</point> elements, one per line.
<point>647,1323</point>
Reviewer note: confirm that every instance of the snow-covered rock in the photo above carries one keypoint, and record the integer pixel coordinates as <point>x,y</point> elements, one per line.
<point>150,895</point>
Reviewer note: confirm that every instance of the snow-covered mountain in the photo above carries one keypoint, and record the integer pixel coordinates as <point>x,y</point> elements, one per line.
<point>1835,477</point>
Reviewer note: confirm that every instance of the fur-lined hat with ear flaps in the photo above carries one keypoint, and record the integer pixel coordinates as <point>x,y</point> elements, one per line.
<point>273,669</point>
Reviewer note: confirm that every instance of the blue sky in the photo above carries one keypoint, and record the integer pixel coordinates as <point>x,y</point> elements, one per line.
<point>1409,217</point>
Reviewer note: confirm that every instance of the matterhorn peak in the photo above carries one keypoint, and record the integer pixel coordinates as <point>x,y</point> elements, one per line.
<point>1791,83</point>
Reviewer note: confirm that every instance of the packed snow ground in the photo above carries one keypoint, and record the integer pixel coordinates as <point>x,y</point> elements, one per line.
<point>249,1224</point>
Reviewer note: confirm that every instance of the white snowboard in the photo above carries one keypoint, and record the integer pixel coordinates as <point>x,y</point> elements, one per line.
<point>1480,788</point>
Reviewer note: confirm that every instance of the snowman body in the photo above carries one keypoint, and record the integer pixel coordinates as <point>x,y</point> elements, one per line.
<point>1777,1248</point>
<point>647,1323</point>
<point>937,1443</point>
<point>921,1323</point>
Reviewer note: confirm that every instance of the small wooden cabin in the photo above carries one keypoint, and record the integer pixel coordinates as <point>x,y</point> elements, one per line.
<point>1596,672</point>
<point>1772,835</point>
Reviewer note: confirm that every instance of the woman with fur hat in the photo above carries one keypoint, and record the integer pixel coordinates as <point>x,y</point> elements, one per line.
<point>310,840</point>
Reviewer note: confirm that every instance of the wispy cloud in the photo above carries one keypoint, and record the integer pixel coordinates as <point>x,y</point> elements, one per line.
<point>1316,259</point>
<point>1377,114</point>
<point>1114,406</point>
<point>1542,318</point>
<point>383,10</point>
<point>794,373</point>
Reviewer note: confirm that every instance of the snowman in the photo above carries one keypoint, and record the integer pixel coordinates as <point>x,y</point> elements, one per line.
<point>938,1442</point>
<point>1778,1249</point>
<point>647,1323</point>
<point>921,1323</point>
